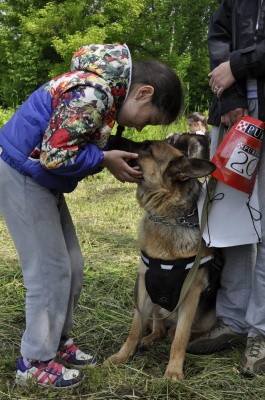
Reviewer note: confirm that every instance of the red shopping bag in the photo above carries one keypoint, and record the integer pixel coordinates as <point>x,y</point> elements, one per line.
<point>238,154</point>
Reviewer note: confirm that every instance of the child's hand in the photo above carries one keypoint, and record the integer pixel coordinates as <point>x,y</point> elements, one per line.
<point>116,162</point>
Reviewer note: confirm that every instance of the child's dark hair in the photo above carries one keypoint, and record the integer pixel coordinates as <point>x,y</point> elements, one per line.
<point>168,93</point>
<point>198,116</point>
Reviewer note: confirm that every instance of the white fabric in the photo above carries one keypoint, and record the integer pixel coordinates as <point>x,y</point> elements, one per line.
<point>252,91</point>
<point>229,222</point>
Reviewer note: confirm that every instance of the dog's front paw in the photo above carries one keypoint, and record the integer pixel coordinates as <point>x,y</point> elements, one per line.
<point>118,358</point>
<point>175,374</point>
<point>114,359</point>
<point>149,340</point>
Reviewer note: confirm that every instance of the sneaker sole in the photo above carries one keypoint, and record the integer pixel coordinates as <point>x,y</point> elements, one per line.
<point>214,345</point>
<point>31,382</point>
<point>246,373</point>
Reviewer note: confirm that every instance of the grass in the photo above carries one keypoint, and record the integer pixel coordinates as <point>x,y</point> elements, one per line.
<point>106,215</point>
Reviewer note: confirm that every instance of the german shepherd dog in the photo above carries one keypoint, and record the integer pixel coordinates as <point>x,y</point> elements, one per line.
<point>169,237</point>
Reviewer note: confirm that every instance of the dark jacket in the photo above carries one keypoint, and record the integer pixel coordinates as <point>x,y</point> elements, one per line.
<point>233,36</point>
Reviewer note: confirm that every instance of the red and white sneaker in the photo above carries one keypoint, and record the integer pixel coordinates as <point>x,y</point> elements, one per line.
<point>72,355</point>
<point>48,374</point>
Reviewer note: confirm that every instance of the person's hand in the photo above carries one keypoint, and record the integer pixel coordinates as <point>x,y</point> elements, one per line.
<point>116,162</point>
<point>233,116</point>
<point>221,78</point>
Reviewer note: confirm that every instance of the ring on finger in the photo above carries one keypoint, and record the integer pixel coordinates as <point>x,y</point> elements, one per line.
<point>216,88</point>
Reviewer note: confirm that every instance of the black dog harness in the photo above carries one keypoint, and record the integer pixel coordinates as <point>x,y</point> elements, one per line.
<point>164,279</point>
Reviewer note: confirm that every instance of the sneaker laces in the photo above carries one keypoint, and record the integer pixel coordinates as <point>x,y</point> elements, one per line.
<point>216,328</point>
<point>54,367</point>
<point>256,344</point>
<point>70,349</point>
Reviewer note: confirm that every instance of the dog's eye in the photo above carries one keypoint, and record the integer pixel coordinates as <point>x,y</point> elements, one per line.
<point>147,146</point>
<point>149,149</point>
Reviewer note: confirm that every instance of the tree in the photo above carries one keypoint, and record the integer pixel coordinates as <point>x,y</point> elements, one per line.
<point>38,38</point>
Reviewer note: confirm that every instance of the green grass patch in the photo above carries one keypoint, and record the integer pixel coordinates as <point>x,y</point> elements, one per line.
<point>106,215</point>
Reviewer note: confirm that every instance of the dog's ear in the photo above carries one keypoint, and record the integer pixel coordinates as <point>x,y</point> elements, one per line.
<point>117,142</point>
<point>198,168</point>
<point>196,146</point>
<point>183,168</point>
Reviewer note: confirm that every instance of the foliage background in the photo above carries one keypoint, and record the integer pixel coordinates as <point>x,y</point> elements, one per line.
<point>38,38</point>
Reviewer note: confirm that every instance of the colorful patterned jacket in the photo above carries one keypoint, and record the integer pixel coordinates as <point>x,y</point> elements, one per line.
<point>58,135</point>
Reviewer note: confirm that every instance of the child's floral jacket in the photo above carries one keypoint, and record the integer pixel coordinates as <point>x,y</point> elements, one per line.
<point>58,135</point>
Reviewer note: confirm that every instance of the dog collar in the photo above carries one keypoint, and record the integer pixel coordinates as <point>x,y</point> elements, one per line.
<point>190,220</point>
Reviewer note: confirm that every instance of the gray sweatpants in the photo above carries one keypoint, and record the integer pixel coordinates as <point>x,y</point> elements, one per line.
<point>52,264</point>
<point>240,300</point>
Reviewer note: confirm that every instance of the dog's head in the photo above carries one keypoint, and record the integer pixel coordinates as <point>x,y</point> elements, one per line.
<point>160,161</point>
<point>186,158</point>
<point>165,168</point>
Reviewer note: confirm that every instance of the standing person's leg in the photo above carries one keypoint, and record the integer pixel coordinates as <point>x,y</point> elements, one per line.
<point>256,308</point>
<point>31,214</point>
<point>236,279</point>
<point>236,282</point>
<point>253,360</point>
<point>76,261</point>
<point>68,351</point>
<point>233,295</point>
